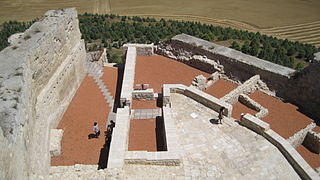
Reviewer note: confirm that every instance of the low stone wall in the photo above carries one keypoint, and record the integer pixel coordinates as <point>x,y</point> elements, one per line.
<point>170,157</point>
<point>167,89</point>
<point>128,77</point>
<point>294,158</point>
<point>247,87</point>
<point>312,141</point>
<point>246,100</point>
<point>254,124</point>
<point>198,95</point>
<point>213,78</point>
<point>55,142</point>
<point>147,94</point>
<point>142,49</point>
<point>298,138</point>
<point>208,100</point>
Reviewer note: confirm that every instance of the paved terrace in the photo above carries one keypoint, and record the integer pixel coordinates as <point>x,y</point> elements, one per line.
<point>212,151</point>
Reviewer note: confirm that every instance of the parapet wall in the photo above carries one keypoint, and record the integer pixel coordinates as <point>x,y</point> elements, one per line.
<point>297,162</point>
<point>128,77</point>
<point>40,72</point>
<point>298,88</point>
<point>142,49</point>
<point>198,95</point>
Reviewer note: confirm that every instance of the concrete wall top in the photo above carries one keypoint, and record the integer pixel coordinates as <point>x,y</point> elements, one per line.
<point>234,54</point>
<point>138,45</point>
<point>119,142</point>
<point>129,71</point>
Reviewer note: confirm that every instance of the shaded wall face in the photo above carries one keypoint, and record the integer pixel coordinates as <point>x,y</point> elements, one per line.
<point>304,89</point>
<point>53,67</point>
<point>234,69</point>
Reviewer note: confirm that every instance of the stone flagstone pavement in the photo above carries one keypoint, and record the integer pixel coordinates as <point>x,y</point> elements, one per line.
<point>212,151</point>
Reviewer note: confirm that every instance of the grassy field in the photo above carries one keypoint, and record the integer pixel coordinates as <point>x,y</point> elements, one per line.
<point>293,19</point>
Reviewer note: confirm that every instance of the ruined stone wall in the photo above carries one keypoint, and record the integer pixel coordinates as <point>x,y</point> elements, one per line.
<point>40,72</point>
<point>301,88</point>
<point>236,65</point>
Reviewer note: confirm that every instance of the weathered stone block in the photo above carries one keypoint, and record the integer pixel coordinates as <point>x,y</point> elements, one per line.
<point>254,123</point>
<point>55,142</point>
<point>208,100</point>
<point>147,94</point>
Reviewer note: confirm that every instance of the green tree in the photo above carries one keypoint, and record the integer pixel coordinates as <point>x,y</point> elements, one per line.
<point>245,48</point>
<point>235,45</point>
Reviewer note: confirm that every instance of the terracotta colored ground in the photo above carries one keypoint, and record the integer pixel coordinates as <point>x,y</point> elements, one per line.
<point>110,75</point>
<point>220,88</point>
<point>144,104</point>
<point>87,106</point>
<point>239,108</point>
<point>316,129</point>
<point>157,70</point>
<point>284,118</point>
<point>142,136</point>
<point>312,158</point>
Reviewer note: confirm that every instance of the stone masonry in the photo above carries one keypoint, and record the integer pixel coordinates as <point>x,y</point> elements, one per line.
<point>299,88</point>
<point>39,74</point>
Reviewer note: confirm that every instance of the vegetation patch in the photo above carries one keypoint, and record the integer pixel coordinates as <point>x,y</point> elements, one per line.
<point>112,31</point>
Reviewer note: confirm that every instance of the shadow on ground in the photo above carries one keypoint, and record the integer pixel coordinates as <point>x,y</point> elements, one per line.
<point>160,134</point>
<point>214,121</point>
<point>104,152</point>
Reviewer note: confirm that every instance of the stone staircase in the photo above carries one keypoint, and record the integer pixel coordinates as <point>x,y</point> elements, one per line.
<point>96,72</point>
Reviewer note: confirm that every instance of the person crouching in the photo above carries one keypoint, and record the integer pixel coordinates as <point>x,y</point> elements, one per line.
<point>96,129</point>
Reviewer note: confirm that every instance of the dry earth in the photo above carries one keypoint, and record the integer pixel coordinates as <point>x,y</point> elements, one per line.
<point>297,20</point>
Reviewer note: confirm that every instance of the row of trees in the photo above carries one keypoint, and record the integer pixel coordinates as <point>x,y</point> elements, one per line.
<point>9,28</point>
<point>112,31</point>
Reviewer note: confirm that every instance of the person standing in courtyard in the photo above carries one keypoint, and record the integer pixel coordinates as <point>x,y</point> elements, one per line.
<point>221,115</point>
<point>96,129</point>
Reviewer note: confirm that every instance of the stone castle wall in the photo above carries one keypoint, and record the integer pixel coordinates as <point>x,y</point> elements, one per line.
<point>299,88</point>
<point>40,73</point>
